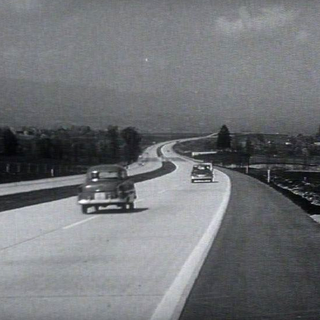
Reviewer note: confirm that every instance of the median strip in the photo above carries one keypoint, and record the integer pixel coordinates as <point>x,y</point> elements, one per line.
<point>24,199</point>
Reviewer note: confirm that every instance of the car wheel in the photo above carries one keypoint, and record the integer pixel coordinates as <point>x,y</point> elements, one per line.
<point>131,206</point>
<point>84,208</point>
<point>96,208</point>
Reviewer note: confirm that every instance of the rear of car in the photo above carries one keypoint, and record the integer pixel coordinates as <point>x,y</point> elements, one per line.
<point>107,185</point>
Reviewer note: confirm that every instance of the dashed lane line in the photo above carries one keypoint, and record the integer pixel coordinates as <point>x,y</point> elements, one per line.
<point>79,222</point>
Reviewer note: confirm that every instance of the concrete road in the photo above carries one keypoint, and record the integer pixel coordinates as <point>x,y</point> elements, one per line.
<point>149,162</point>
<point>264,263</point>
<point>57,263</point>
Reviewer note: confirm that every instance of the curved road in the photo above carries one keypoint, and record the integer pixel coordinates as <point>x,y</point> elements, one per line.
<point>264,263</point>
<point>59,264</point>
<point>149,159</point>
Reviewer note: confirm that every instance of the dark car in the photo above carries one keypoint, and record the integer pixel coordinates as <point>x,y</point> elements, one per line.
<point>202,172</point>
<point>107,185</point>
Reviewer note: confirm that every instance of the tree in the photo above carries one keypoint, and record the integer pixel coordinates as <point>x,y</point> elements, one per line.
<point>249,146</point>
<point>45,147</point>
<point>57,148</point>
<point>132,140</point>
<point>224,139</point>
<point>114,138</point>
<point>10,142</point>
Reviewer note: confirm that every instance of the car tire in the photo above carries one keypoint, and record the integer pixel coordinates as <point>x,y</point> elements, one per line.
<point>84,208</point>
<point>96,208</point>
<point>131,206</point>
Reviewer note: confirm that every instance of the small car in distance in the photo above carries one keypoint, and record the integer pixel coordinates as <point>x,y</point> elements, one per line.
<point>107,185</point>
<point>202,172</point>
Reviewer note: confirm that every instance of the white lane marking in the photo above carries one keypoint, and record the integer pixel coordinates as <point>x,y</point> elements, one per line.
<point>171,305</point>
<point>177,166</point>
<point>79,222</point>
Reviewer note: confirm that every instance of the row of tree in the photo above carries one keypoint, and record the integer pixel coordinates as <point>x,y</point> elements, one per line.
<point>112,145</point>
<point>132,140</point>
<point>10,142</point>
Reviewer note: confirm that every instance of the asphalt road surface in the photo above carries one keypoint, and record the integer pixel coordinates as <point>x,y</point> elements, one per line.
<point>264,263</point>
<point>58,264</point>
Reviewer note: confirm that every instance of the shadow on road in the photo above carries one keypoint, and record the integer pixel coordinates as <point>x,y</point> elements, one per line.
<point>116,211</point>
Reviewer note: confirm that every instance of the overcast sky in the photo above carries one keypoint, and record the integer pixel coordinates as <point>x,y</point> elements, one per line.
<point>248,64</point>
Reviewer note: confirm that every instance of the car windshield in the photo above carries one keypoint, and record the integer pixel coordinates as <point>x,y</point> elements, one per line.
<point>202,168</point>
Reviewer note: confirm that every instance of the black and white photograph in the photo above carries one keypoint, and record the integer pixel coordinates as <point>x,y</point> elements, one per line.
<point>159,160</point>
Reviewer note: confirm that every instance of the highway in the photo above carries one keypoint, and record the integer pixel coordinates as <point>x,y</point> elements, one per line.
<point>150,162</point>
<point>264,262</point>
<point>57,263</point>
<point>187,252</point>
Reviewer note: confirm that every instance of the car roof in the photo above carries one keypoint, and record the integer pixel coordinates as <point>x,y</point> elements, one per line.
<point>106,167</point>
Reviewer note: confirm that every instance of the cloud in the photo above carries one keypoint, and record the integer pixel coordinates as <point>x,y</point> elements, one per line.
<point>302,35</point>
<point>267,19</point>
<point>23,5</point>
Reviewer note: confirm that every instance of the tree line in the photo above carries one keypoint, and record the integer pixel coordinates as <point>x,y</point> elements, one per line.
<point>81,144</point>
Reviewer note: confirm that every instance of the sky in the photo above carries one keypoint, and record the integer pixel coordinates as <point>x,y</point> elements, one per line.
<point>161,65</point>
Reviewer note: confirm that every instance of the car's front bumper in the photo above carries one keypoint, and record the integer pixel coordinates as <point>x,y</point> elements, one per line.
<point>207,178</point>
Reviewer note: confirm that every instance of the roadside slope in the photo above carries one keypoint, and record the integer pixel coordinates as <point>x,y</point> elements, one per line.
<point>264,263</point>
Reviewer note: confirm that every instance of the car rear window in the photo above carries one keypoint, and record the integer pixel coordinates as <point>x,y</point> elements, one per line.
<point>100,175</point>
